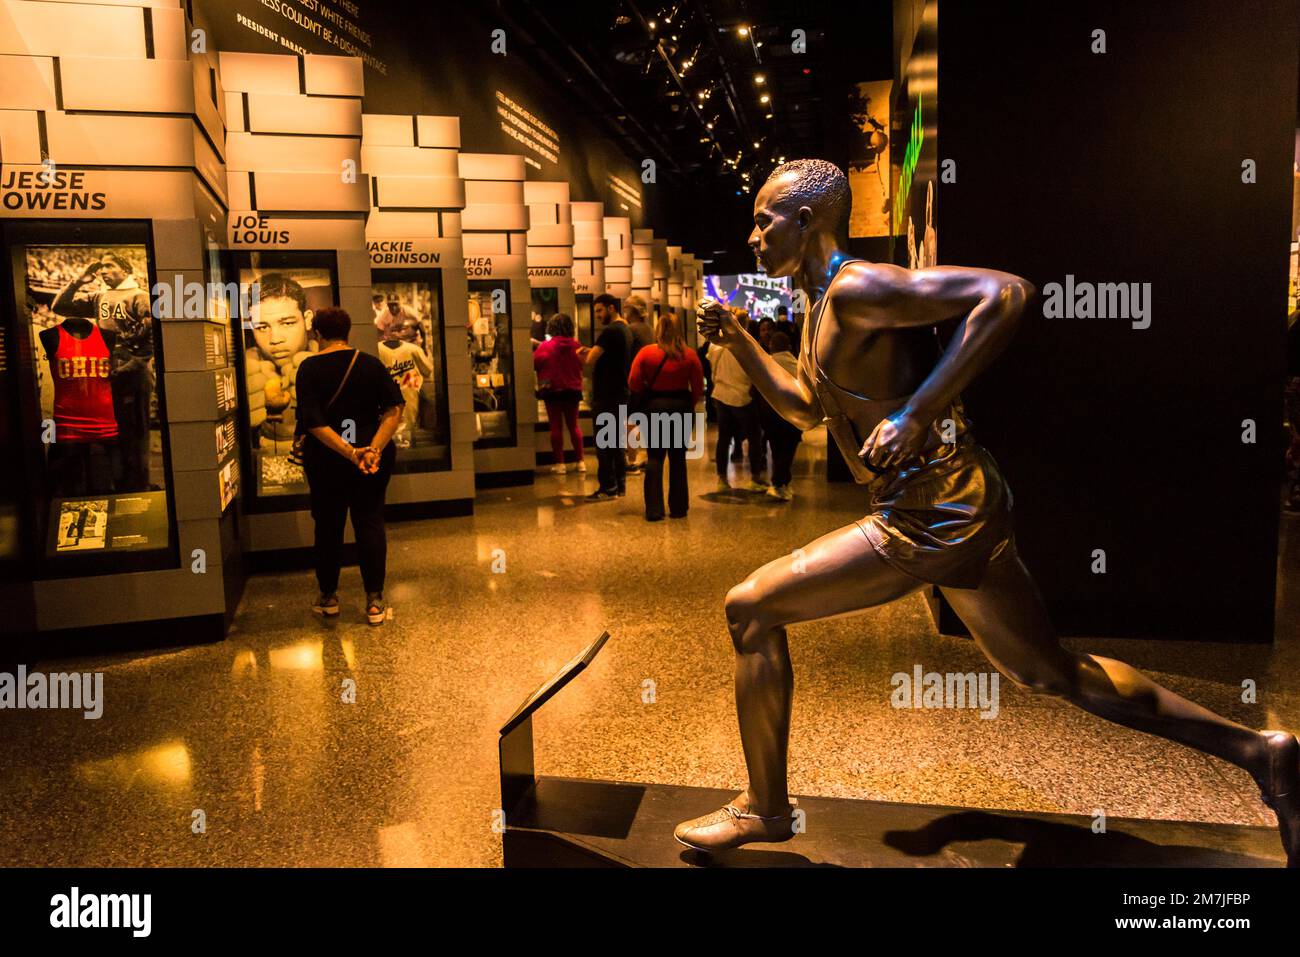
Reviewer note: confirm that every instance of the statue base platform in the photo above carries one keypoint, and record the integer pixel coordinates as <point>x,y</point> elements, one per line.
<point>570,822</point>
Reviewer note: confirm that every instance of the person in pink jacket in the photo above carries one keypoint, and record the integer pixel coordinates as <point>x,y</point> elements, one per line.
<point>559,385</point>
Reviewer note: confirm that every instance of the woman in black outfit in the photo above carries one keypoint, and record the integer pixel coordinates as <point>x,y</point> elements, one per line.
<point>349,407</point>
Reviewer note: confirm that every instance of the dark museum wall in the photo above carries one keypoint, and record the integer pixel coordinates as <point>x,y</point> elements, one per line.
<point>1126,166</point>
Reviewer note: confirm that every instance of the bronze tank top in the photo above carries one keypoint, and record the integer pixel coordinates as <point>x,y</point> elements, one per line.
<point>851,417</point>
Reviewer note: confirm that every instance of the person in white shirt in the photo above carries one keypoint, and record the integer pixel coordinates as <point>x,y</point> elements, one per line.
<point>737,416</point>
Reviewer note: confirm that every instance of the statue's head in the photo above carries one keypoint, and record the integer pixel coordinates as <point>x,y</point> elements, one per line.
<point>801,200</point>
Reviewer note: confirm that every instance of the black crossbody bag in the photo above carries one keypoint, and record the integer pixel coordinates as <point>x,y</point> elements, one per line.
<point>300,434</point>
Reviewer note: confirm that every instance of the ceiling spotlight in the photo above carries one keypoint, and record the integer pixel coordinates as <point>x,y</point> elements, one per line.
<point>743,31</point>
<point>755,145</point>
<point>764,98</point>
<point>768,116</point>
<point>760,79</point>
<point>708,126</point>
<point>651,24</point>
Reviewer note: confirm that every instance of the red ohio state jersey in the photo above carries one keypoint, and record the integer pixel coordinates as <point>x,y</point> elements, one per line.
<point>83,397</point>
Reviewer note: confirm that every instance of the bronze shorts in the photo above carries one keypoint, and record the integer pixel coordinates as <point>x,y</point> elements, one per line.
<point>943,520</point>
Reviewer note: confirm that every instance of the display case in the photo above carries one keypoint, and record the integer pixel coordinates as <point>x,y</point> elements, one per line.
<point>491,351</point>
<point>584,319</point>
<point>546,303</point>
<point>113,380</point>
<point>494,238</point>
<point>418,292</point>
<point>589,251</point>
<point>296,229</point>
<point>274,336</point>
<point>85,367</point>
<point>409,324</point>
<point>550,240</point>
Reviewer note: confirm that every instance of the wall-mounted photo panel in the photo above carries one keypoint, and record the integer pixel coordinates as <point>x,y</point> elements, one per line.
<point>284,289</point>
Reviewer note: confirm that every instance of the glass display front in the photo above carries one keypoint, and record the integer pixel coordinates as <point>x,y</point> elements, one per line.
<point>284,291</point>
<point>90,407</point>
<point>584,324</point>
<point>492,361</point>
<point>408,318</point>
<point>584,320</point>
<point>545,303</point>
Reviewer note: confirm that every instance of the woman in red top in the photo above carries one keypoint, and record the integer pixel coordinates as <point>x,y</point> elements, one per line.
<point>668,381</point>
<point>559,385</point>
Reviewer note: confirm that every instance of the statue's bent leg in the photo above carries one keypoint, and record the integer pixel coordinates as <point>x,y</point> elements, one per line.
<point>1009,622</point>
<point>837,574</point>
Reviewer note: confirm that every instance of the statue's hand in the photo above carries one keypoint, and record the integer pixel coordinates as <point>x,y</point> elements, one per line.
<point>715,323</point>
<point>895,441</point>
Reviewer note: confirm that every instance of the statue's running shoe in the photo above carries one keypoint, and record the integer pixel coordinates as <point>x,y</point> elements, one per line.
<point>732,826</point>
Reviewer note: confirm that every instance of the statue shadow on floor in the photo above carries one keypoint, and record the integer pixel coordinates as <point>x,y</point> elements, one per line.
<point>1057,844</point>
<point>957,840</point>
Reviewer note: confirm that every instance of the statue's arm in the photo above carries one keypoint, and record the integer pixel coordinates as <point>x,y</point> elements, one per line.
<point>889,297</point>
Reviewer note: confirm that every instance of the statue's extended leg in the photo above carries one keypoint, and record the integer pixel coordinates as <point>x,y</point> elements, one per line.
<point>1007,618</point>
<point>837,574</point>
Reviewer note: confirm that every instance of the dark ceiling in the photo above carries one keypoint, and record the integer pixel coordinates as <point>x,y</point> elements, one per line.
<point>709,89</point>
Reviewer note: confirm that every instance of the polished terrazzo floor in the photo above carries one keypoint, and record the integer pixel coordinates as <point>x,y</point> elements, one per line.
<point>253,731</point>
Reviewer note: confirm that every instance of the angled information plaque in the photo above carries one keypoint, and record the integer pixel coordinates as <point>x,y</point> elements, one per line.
<point>516,745</point>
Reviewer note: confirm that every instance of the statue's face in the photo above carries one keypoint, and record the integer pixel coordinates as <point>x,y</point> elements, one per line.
<point>780,233</point>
